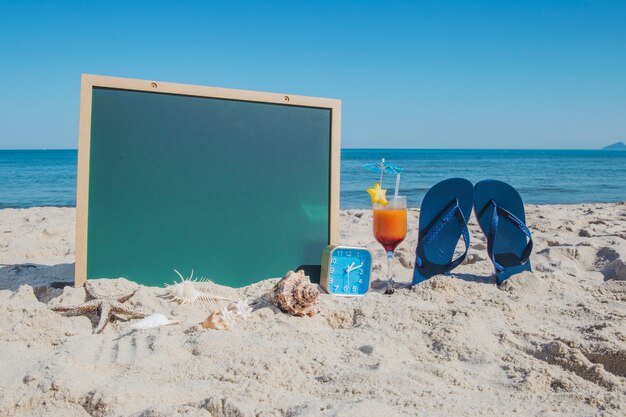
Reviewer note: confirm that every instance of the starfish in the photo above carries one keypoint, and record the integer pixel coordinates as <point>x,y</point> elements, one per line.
<point>378,194</point>
<point>105,306</point>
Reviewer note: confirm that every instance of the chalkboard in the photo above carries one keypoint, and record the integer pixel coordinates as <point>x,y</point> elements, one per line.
<point>237,186</point>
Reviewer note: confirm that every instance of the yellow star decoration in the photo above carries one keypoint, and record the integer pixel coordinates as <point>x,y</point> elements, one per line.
<point>377,194</point>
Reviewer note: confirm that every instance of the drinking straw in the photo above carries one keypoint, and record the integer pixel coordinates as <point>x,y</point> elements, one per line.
<point>395,194</point>
<point>382,169</point>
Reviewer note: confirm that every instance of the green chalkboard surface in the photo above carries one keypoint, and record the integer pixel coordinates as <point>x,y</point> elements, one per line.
<point>235,190</point>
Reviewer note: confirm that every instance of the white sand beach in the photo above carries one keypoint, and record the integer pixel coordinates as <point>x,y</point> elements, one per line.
<point>547,343</point>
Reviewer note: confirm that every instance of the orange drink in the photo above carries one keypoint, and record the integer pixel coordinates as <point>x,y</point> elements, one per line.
<point>389,227</point>
<point>390,230</point>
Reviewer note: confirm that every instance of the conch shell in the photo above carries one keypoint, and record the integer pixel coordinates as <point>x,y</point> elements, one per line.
<point>227,317</point>
<point>294,294</point>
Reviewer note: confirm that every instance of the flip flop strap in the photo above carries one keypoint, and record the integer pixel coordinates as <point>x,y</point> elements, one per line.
<point>493,227</point>
<point>453,212</point>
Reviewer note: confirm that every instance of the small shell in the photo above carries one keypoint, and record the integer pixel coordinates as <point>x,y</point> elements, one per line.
<point>294,294</point>
<point>227,317</point>
<point>240,309</point>
<point>216,321</point>
<point>190,291</point>
<point>153,320</point>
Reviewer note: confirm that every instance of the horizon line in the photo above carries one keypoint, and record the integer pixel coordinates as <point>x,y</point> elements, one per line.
<point>376,148</point>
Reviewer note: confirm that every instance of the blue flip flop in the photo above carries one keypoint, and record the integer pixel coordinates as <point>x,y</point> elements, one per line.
<point>443,221</point>
<point>500,213</point>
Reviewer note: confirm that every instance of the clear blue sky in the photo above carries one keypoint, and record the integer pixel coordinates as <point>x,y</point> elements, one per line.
<point>441,74</point>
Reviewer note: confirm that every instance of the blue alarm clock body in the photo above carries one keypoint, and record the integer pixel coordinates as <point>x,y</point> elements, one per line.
<point>349,271</point>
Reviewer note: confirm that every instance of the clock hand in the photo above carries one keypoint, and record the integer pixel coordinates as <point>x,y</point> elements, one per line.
<point>358,266</point>
<point>350,268</point>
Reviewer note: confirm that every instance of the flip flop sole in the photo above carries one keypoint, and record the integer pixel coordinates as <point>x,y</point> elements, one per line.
<point>441,249</point>
<point>510,241</point>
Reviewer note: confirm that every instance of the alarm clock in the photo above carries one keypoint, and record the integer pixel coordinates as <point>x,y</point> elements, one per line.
<point>346,270</point>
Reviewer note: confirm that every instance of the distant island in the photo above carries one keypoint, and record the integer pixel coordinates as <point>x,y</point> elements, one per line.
<point>618,146</point>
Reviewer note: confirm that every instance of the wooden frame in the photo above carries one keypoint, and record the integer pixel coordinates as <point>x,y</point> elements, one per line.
<point>88,82</point>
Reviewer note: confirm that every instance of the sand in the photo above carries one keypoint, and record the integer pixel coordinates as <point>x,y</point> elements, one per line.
<point>547,343</point>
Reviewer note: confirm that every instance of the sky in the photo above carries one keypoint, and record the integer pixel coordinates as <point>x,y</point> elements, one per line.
<point>440,74</point>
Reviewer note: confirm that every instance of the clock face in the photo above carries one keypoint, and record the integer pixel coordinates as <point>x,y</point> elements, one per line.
<point>349,271</point>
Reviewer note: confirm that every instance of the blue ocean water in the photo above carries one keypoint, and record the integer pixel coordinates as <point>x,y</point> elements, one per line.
<point>48,177</point>
<point>540,176</point>
<point>37,178</point>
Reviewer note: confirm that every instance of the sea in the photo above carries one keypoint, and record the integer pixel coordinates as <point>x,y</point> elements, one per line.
<point>31,178</point>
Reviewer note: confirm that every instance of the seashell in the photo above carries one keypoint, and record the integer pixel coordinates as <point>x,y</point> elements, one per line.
<point>227,317</point>
<point>241,309</point>
<point>294,294</point>
<point>216,320</point>
<point>153,320</point>
<point>190,291</point>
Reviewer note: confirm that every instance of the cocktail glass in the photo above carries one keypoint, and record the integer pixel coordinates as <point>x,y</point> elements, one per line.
<point>390,230</point>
